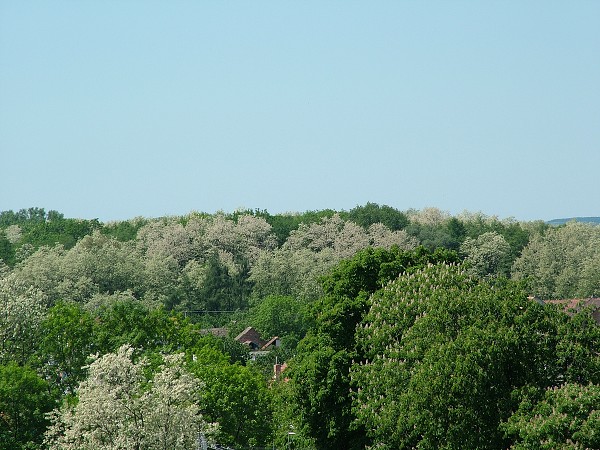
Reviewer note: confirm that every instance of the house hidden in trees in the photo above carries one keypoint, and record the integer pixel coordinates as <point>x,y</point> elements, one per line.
<point>575,305</point>
<point>572,306</point>
<point>257,345</point>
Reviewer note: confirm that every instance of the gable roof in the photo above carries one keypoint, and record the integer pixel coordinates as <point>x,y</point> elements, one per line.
<point>574,305</point>
<point>250,337</point>
<point>272,342</point>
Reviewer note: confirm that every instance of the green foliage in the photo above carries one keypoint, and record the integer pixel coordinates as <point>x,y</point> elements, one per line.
<point>237,398</point>
<point>124,230</point>
<point>63,231</point>
<point>456,231</point>
<point>312,250</point>
<point>30,215</point>
<point>434,229</point>
<point>515,233</point>
<point>24,400</point>
<point>70,288</point>
<point>214,294</point>
<point>320,371</point>
<point>566,417</point>
<point>433,236</point>
<point>287,272</point>
<point>36,228</point>
<point>128,321</point>
<point>67,340</point>
<point>373,213</point>
<point>283,224</point>
<point>448,353</point>
<point>111,266</point>
<point>349,285</point>
<point>217,290</point>
<point>321,393</point>
<point>7,251</point>
<point>281,316</point>
<point>22,309</point>
<point>287,421</point>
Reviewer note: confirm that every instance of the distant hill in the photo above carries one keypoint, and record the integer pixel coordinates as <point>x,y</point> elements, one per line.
<point>594,220</point>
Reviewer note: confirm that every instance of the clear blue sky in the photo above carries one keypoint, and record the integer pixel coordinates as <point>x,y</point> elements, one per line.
<point>115,109</point>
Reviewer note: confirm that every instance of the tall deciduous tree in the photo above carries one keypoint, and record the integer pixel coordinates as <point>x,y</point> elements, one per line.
<point>488,254</point>
<point>238,399</point>
<point>280,316</point>
<point>24,400</point>
<point>372,213</point>
<point>313,249</point>
<point>320,372</point>
<point>118,407</point>
<point>562,262</point>
<point>22,309</point>
<point>66,340</point>
<point>450,356</point>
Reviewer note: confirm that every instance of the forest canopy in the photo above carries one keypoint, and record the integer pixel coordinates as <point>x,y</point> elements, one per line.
<point>398,329</point>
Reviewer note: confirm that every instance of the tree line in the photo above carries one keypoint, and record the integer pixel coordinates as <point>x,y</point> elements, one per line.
<point>400,329</point>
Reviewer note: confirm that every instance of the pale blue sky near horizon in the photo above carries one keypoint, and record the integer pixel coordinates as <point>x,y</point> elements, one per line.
<point>117,109</point>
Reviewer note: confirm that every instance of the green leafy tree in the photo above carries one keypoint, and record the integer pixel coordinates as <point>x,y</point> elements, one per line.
<point>430,226</point>
<point>125,230</point>
<point>7,251</point>
<point>41,270</point>
<point>96,264</point>
<point>110,265</point>
<point>283,224</point>
<point>320,371</point>
<point>215,292</point>
<point>67,339</point>
<point>121,319</point>
<point>286,420</point>
<point>372,213</point>
<point>456,231</point>
<point>566,417</point>
<point>290,272</point>
<point>282,316</point>
<point>312,250</point>
<point>24,400</point>
<point>238,399</point>
<point>450,356</point>
<point>39,228</point>
<point>517,234</point>
<point>170,238</point>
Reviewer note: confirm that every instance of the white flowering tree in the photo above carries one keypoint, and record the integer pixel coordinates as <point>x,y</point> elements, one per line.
<point>42,269</point>
<point>488,253</point>
<point>563,262</point>
<point>119,408</point>
<point>313,249</point>
<point>22,309</point>
<point>170,238</point>
<point>109,264</point>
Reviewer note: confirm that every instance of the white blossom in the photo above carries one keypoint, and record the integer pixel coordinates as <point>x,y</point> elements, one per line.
<point>118,408</point>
